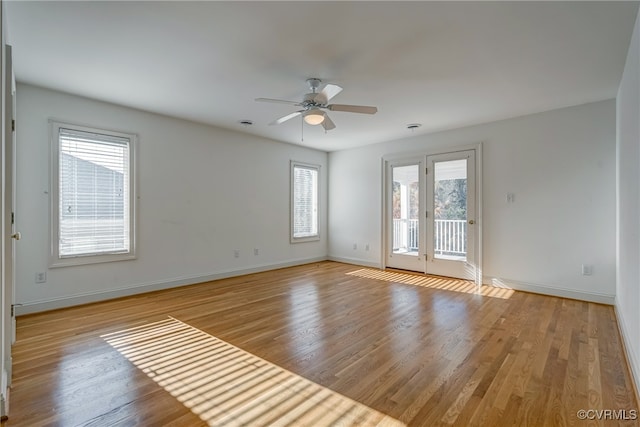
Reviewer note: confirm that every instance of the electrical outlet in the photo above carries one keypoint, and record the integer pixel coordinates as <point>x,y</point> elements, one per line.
<point>256,252</point>
<point>587,269</point>
<point>41,277</point>
<point>366,248</point>
<point>511,197</point>
<point>355,246</point>
<point>236,253</point>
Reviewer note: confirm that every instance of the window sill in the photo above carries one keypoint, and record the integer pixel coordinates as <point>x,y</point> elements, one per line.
<point>305,239</point>
<point>89,259</point>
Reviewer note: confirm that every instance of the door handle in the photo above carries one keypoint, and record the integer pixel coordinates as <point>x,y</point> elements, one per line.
<point>471,222</point>
<point>16,236</point>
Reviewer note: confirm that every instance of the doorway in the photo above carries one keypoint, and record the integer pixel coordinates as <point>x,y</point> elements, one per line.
<point>431,214</point>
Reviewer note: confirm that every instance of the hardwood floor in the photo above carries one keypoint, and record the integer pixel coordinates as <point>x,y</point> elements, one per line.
<point>323,344</point>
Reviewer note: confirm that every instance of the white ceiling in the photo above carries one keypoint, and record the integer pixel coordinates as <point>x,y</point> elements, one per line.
<point>442,64</point>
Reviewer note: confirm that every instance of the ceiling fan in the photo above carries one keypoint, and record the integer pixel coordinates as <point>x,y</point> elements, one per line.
<point>315,102</point>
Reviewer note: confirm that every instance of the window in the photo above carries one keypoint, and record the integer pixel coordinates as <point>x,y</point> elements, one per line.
<point>304,202</point>
<point>92,201</point>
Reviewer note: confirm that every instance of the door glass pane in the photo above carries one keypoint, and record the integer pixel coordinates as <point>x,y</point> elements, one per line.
<point>405,200</point>
<point>450,210</point>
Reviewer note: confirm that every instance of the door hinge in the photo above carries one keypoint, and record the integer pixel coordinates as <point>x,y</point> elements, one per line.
<point>13,309</point>
<point>13,125</point>
<point>13,218</point>
<point>426,171</point>
<point>426,214</point>
<point>426,257</point>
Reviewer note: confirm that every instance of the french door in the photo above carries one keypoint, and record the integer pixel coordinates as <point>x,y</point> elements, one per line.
<point>431,214</point>
<point>405,214</point>
<point>451,212</point>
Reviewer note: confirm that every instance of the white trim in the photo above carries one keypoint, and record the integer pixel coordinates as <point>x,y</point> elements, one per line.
<point>597,297</point>
<point>89,297</point>
<point>4,396</point>
<point>355,261</point>
<point>632,359</point>
<point>383,217</point>
<point>479,219</point>
<point>5,379</point>
<point>430,152</point>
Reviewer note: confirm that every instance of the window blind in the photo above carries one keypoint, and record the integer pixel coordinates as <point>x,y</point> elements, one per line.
<point>305,202</point>
<point>93,193</point>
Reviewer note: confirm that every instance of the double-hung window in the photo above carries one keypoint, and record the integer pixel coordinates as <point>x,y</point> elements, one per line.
<point>304,202</point>
<point>92,198</point>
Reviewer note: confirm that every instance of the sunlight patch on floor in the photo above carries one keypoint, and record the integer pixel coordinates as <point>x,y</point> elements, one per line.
<point>435,282</point>
<point>227,386</point>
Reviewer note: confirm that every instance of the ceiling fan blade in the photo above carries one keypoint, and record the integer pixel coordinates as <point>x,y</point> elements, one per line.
<point>327,123</point>
<point>328,92</point>
<point>363,109</point>
<point>285,118</point>
<point>277,101</point>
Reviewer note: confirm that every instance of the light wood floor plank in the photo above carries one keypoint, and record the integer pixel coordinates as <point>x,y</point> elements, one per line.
<point>321,344</point>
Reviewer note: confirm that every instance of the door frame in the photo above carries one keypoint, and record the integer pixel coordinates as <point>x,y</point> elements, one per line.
<point>8,224</point>
<point>6,201</point>
<point>391,158</point>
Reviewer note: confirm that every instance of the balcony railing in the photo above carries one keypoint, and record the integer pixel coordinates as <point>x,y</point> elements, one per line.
<point>450,236</point>
<point>405,235</point>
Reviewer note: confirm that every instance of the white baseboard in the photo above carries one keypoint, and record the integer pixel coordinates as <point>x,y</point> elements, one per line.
<point>549,290</point>
<point>355,261</point>
<point>78,299</point>
<point>510,284</point>
<point>89,297</point>
<point>4,410</point>
<point>633,360</point>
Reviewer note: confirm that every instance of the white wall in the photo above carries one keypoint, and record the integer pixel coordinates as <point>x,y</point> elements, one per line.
<point>203,192</point>
<point>559,164</point>
<point>628,192</point>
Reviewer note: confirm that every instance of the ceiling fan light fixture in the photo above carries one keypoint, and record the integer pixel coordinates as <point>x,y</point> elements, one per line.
<point>314,117</point>
<point>315,102</point>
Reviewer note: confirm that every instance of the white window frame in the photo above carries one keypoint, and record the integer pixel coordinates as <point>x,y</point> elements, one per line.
<point>316,236</point>
<point>55,260</point>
